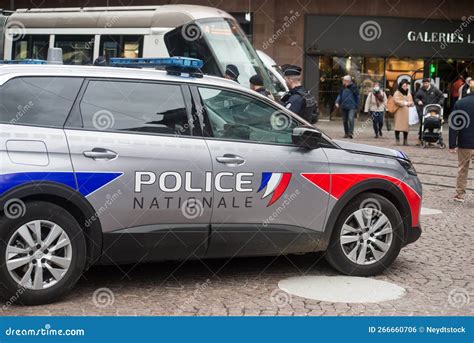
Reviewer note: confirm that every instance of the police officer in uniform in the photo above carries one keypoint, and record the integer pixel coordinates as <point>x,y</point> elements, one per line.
<point>232,72</point>
<point>256,84</point>
<point>298,99</point>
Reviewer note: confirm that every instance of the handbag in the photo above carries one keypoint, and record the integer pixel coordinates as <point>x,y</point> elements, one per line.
<point>413,118</point>
<point>392,107</point>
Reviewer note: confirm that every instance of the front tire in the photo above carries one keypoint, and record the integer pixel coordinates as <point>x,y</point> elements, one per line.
<point>42,253</point>
<point>367,236</point>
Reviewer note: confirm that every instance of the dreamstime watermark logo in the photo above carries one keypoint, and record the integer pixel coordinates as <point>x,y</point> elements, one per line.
<point>287,22</point>
<point>280,121</point>
<point>103,120</point>
<point>363,127</point>
<point>13,299</point>
<point>21,111</point>
<point>280,298</point>
<point>370,30</point>
<point>112,21</point>
<point>16,30</point>
<point>111,198</point>
<point>103,297</point>
<point>370,204</point>
<point>459,120</point>
<point>198,293</point>
<point>192,208</point>
<point>14,208</point>
<point>458,297</point>
<point>457,35</point>
<point>191,32</point>
<point>288,199</point>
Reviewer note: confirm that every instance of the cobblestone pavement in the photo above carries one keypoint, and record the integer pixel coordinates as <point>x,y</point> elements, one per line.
<point>436,271</point>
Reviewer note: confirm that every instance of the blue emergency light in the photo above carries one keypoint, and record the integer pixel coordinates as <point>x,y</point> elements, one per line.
<point>173,65</point>
<point>26,61</point>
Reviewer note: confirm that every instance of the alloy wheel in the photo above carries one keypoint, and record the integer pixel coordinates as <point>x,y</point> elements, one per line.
<point>38,254</point>
<point>366,236</point>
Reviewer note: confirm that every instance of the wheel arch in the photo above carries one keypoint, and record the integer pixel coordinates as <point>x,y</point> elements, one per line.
<point>69,199</point>
<point>378,186</point>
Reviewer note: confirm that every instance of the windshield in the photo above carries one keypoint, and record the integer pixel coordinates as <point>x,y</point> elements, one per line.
<point>218,42</point>
<point>230,46</point>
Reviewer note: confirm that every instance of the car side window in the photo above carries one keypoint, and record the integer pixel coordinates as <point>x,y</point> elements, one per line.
<point>239,117</point>
<point>134,106</point>
<point>44,101</point>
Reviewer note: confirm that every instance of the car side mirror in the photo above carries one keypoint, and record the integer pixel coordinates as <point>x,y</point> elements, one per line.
<point>306,137</point>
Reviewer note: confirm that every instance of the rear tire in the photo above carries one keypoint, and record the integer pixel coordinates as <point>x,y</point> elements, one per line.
<point>55,260</point>
<point>381,235</point>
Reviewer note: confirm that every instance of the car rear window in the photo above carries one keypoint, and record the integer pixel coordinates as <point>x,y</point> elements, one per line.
<point>44,101</point>
<point>135,107</point>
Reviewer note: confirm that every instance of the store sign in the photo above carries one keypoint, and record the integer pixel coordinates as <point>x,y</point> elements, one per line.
<point>392,37</point>
<point>440,37</point>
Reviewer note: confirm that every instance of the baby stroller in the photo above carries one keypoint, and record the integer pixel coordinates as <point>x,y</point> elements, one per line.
<point>432,126</point>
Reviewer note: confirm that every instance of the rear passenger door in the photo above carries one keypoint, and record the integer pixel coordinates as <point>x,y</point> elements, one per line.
<point>33,147</point>
<point>135,153</point>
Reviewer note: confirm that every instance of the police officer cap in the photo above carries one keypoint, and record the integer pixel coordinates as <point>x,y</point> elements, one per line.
<point>232,71</point>
<point>292,70</point>
<point>100,61</point>
<point>256,80</point>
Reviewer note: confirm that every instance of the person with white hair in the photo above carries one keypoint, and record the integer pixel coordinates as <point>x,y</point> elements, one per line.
<point>464,89</point>
<point>348,102</point>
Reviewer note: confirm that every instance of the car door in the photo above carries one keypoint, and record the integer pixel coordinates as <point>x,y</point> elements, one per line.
<point>263,203</point>
<point>139,162</point>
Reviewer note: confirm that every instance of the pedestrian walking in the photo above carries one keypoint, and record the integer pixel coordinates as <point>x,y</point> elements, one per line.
<point>375,105</point>
<point>403,100</point>
<point>461,139</point>
<point>232,72</point>
<point>298,99</point>
<point>256,84</point>
<point>428,94</point>
<point>348,102</point>
<point>457,84</point>
<point>465,88</point>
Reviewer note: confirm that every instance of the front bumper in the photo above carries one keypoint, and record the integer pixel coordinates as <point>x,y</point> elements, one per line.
<point>413,234</point>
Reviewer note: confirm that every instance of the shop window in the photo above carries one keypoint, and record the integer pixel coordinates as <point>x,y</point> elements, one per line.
<point>332,69</point>
<point>31,46</point>
<point>397,67</point>
<point>373,71</point>
<point>121,46</point>
<point>77,49</point>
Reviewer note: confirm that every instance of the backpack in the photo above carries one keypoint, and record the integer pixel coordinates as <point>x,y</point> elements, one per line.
<point>392,107</point>
<point>310,110</point>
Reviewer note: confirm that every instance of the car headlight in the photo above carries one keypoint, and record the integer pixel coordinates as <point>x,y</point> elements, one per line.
<point>407,165</point>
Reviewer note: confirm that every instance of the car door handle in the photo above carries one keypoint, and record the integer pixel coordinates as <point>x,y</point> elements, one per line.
<point>230,159</point>
<point>100,154</point>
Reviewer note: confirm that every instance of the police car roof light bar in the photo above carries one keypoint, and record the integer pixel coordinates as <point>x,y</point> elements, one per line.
<point>173,65</point>
<point>26,61</point>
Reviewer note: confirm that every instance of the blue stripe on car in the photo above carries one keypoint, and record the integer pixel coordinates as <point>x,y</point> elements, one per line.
<point>87,182</point>
<point>265,178</point>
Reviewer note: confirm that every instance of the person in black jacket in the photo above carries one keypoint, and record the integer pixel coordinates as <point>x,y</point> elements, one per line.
<point>427,95</point>
<point>298,99</point>
<point>256,84</point>
<point>461,139</point>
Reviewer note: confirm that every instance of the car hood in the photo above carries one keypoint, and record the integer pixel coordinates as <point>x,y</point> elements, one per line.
<point>368,149</point>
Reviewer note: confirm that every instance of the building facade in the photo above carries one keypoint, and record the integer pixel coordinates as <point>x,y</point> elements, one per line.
<point>378,40</point>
